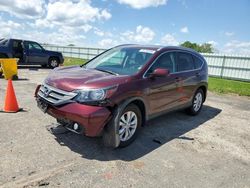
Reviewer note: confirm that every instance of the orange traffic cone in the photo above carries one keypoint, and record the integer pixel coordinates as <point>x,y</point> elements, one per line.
<point>10,99</point>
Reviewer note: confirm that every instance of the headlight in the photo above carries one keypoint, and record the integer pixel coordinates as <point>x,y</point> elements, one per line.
<point>92,95</point>
<point>97,95</point>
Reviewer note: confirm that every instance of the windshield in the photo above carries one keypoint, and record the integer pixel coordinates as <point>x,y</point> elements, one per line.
<point>3,42</point>
<point>121,61</point>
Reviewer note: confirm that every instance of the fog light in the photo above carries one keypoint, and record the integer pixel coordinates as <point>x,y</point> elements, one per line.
<point>75,126</point>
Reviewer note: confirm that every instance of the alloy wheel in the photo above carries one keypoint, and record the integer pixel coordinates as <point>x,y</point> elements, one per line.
<point>127,125</point>
<point>197,102</point>
<point>53,63</point>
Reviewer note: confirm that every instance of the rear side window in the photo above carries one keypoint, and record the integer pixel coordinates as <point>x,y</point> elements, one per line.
<point>184,62</point>
<point>197,62</point>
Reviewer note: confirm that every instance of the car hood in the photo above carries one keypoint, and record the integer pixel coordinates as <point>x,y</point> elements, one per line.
<point>76,77</point>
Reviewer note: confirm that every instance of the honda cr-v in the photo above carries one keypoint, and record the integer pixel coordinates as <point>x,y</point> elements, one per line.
<point>118,91</point>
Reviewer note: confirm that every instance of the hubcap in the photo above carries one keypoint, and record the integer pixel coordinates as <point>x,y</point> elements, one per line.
<point>54,63</point>
<point>197,102</point>
<point>127,125</point>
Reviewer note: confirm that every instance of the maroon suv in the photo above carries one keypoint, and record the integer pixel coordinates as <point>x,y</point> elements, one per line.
<point>115,93</point>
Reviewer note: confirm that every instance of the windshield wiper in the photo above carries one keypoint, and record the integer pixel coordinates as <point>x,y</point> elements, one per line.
<point>83,66</point>
<point>108,71</point>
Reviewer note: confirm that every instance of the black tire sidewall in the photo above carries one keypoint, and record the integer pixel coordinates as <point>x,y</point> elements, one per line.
<point>136,110</point>
<point>15,77</point>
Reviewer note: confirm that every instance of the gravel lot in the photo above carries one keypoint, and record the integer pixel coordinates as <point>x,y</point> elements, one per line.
<point>175,150</point>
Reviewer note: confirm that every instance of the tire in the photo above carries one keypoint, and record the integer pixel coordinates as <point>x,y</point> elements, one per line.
<point>3,55</point>
<point>119,123</point>
<point>44,66</point>
<point>15,77</point>
<point>197,103</point>
<point>53,62</point>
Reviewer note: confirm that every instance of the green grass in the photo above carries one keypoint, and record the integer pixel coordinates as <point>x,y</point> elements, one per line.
<point>217,85</point>
<point>68,61</point>
<point>229,86</point>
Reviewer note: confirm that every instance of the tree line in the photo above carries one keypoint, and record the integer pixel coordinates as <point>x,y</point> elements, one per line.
<point>202,48</point>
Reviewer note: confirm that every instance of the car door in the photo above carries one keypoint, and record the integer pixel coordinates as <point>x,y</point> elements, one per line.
<point>162,90</point>
<point>17,50</point>
<point>186,76</point>
<point>34,53</point>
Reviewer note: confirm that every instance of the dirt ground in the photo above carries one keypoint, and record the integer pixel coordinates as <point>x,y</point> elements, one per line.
<point>174,150</point>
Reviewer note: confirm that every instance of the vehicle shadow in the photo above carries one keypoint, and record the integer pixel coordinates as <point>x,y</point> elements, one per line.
<point>18,79</point>
<point>32,67</point>
<point>21,79</point>
<point>157,132</point>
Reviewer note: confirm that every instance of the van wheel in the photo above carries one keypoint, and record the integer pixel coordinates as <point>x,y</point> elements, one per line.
<point>3,55</point>
<point>15,77</point>
<point>53,62</point>
<point>124,127</point>
<point>197,103</point>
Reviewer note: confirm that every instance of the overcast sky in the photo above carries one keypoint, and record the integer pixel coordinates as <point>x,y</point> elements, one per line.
<point>105,23</point>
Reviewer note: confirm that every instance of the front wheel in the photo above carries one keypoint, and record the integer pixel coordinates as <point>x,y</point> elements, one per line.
<point>123,127</point>
<point>53,62</point>
<point>129,125</point>
<point>197,103</point>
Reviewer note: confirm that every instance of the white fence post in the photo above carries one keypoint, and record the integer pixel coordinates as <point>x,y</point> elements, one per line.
<point>222,66</point>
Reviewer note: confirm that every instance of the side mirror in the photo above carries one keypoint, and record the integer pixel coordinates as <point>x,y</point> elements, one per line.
<point>160,72</point>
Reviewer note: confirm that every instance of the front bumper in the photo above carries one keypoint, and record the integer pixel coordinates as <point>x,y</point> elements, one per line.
<point>92,118</point>
<point>61,60</point>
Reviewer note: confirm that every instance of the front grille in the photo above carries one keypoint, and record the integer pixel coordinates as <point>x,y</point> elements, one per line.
<point>55,96</point>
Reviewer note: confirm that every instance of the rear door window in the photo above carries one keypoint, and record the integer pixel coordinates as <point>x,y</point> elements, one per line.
<point>184,62</point>
<point>197,62</point>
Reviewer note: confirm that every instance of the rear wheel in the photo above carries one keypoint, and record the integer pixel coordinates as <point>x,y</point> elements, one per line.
<point>53,62</point>
<point>15,77</point>
<point>197,103</point>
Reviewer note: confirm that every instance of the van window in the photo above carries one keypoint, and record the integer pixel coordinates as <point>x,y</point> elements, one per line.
<point>184,62</point>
